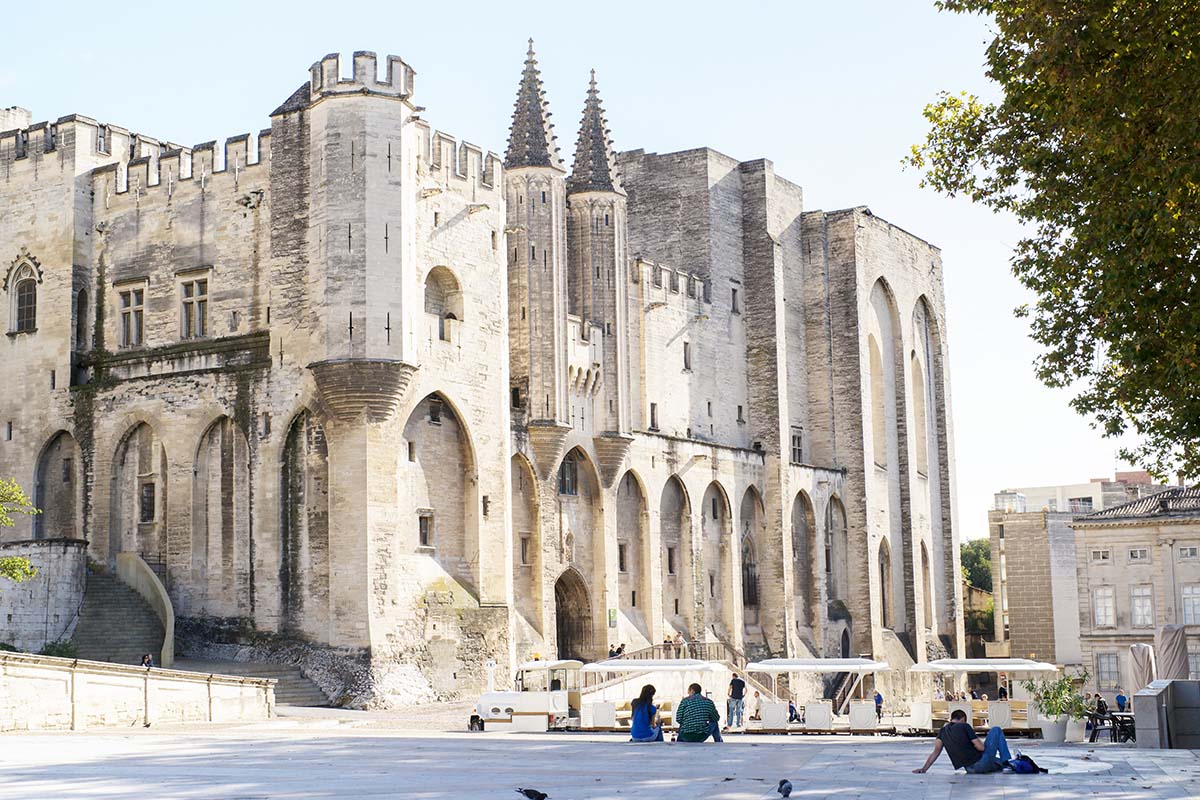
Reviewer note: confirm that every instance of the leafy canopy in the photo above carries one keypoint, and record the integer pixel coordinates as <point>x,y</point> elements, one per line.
<point>1095,147</point>
<point>14,501</point>
<point>976,557</point>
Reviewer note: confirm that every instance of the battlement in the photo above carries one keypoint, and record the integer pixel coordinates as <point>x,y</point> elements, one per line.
<point>440,153</point>
<point>168,167</point>
<point>674,285</point>
<point>326,77</point>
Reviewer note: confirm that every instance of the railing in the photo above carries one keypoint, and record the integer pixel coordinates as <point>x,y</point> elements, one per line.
<point>842,689</point>
<point>136,574</point>
<point>721,651</point>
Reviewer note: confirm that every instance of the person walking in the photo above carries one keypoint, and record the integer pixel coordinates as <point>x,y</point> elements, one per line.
<point>878,706</point>
<point>736,703</point>
<point>698,717</point>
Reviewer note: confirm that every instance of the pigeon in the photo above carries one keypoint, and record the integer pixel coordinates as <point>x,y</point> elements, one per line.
<point>785,788</point>
<point>533,794</point>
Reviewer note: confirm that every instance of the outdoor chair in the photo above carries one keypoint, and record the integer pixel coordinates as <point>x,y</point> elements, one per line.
<point>1103,722</point>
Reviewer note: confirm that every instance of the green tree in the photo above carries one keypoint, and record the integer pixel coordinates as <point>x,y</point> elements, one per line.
<point>1094,145</point>
<point>13,501</point>
<point>976,557</point>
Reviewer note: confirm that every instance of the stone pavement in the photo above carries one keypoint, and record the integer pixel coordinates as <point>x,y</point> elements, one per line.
<point>319,757</point>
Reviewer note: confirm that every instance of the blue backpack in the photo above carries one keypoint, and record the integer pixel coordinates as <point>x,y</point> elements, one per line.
<point>1024,765</point>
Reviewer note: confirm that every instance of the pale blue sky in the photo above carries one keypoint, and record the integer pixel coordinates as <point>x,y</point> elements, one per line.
<point>831,92</point>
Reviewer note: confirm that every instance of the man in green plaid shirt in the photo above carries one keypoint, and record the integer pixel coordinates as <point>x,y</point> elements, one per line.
<point>698,717</point>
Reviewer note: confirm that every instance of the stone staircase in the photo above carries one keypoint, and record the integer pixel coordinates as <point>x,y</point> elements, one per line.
<point>116,624</point>
<point>292,689</point>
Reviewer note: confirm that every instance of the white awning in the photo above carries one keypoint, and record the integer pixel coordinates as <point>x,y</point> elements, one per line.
<point>775,666</point>
<point>532,666</point>
<point>653,665</point>
<point>964,665</point>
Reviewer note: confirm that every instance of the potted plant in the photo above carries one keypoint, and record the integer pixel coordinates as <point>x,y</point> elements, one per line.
<point>1057,702</point>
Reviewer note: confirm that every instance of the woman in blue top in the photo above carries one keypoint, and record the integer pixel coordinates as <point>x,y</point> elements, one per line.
<point>643,723</point>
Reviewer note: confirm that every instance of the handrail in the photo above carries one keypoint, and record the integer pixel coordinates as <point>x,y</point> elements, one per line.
<point>137,575</point>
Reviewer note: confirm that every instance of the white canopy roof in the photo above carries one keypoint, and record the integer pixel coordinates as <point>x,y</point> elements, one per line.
<point>983,665</point>
<point>531,666</point>
<point>653,665</point>
<point>781,665</point>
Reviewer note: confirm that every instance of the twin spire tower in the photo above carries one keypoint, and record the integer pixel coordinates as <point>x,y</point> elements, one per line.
<point>566,256</point>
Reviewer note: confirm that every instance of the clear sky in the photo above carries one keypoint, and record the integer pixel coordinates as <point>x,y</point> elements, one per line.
<point>831,92</point>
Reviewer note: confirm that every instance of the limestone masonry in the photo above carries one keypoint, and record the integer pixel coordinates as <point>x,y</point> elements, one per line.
<point>286,372</point>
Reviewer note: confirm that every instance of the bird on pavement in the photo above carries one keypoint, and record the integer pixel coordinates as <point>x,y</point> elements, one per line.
<point>533,794</point>
<point>785,788</point>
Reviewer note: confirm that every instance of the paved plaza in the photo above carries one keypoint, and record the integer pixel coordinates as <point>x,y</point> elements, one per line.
<point>323,757</point>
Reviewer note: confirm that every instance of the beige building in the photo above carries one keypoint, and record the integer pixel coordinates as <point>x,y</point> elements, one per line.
<point>1034,587</point>
<point>357,385</point>
<point>1139,569</point>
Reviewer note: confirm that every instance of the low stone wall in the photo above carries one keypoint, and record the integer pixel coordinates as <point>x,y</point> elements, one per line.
<point>42,693</point>
<point>44,608</point>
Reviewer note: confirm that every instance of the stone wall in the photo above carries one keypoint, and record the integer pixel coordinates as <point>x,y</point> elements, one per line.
<point>364,375</point>
<point>45,608</point>
<point>40,693</point>
<point>1026,560</point>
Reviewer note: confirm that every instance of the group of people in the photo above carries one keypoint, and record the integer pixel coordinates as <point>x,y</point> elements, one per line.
<point>697,716</point>
<point>699,720</point>
<point>1098,705</point>
<point>974,694</point>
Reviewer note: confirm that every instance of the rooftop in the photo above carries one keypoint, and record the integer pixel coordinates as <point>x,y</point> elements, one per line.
<point>1182,502</point>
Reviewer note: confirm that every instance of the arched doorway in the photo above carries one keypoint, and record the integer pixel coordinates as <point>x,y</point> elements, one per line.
<point>573,617</point>
<point>845,643</point>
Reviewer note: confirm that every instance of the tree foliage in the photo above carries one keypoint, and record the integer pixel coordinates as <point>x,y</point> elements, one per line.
<point>976,557</point>
<point>14,501</point>
<point>979,621</point>
<point>1095,147</point>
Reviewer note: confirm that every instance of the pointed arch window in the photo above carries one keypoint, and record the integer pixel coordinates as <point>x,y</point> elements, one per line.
<point>23,299</point>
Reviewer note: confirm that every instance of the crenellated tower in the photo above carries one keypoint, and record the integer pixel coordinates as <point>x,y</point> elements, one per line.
<point>596,241</point>
<point>535,191</point>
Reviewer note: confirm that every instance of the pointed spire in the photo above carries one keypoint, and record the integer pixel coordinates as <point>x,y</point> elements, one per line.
<point>531,141</point>
<point>595,168</point>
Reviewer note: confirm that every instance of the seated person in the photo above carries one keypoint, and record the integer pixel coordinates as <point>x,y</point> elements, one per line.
<point>756,708</point>
<point>697,717</point>
<point>793,714</point>
<point>644,725</point>
<point>1101,705</point>
<point>966,749</point>
<point>1002,696</point>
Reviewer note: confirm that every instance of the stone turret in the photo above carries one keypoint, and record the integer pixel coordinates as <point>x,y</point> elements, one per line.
<point>535,188</point>
<point>596,237</point>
